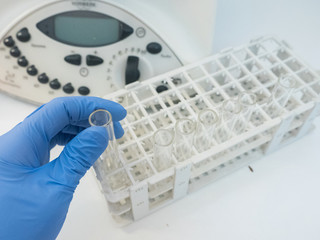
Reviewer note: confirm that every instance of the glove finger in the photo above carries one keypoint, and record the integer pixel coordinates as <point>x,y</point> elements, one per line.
<point>61,139</point>
<point>83,123</point>
<point>118,130</point>
<point>74,130</point>
<point>53,117</point>
<point>79,155</point>
<point>70,129</point>
<point>69,132</point>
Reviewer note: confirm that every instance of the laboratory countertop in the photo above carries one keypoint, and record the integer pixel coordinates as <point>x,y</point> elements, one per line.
<point>278,200</point>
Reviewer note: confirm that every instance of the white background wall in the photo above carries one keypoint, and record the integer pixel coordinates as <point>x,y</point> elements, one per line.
<point>296,21</point>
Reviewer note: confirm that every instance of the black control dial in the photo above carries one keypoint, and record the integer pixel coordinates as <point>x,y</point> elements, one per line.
<point>55,84</point>
<point>9,42</point>
<point>68,88</point>
<point>23,35</point>
<point>22,61</point>
<point>154,48</point>
<point>83,90</point>
<point>32,70</point>
<point>15,52</point>
<point>43,78</point>
<point>132,71</point>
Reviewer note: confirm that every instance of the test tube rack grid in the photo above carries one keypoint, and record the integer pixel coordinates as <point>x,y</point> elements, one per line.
<point>160,101</point>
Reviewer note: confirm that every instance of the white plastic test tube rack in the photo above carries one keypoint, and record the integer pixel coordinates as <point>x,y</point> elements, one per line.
<point>254,67</point>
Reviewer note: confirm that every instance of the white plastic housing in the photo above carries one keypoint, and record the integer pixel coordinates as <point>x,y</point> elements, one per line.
<point>183,35</point>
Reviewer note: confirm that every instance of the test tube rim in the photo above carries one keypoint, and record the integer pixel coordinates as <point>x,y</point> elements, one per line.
<point>100,110</point>
<point>233,100</point>
<point>250,93</point>
<point>284,76</point>
<point>217,117</point>
<point>163,130</point>
<point>183,119</point>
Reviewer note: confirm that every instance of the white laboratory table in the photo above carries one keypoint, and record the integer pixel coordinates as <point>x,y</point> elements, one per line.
<point>278,200</point>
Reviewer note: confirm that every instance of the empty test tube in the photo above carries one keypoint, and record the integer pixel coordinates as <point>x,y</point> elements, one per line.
<point>163,148</point>
<point>184,129</point>
<point>280,95</point>
<point>248,102</point>
<point>110,158</point>
<point>208,120</point>
<point>231,120</point>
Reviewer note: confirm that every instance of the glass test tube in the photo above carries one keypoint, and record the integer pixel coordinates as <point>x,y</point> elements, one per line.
<point>185,129</point>
<point>163,148</point>
<point>110,158</point>
<point>280,95</point>
<point>208,120</point>
<point>230,119</point>
<point>248,102</point>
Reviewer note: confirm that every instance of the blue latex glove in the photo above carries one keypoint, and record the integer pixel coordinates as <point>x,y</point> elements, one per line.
<point>34,193</point>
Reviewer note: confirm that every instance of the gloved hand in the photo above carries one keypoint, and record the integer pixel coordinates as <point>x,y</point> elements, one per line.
<point>34,193</point>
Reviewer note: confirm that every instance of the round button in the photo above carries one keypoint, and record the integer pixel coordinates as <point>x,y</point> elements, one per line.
<point>84,90</point>
<point>9,42</point>
<point>15,52</point>
<point>140,32</point>
<point>22,61</point>
<point>154,48</point>
<point>43,78</point>
<point>23,35</point>
<point>68,88</point>
<point>55,84</point>
<point>84,72</point>
<point>32,70</point>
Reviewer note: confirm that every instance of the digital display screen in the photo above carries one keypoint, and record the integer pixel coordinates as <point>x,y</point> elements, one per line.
<point>86,31</point>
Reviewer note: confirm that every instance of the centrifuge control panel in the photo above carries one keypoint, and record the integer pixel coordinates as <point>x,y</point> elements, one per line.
<point>68,48</point>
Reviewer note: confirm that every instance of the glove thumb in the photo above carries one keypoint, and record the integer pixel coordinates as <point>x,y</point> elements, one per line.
<point>79,155</point>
